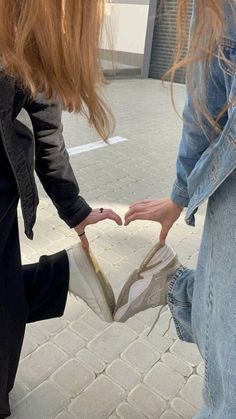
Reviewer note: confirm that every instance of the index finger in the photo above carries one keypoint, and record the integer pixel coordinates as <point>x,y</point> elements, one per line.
<point>144,201</point>
<point>135,209</point>
<point>114,217</point>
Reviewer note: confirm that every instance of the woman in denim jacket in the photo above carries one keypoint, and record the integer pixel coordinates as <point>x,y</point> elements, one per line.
<point>202,301</point>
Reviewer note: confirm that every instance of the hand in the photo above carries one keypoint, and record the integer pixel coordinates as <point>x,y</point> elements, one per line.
<point>164,211</point>
<point>94,217</point>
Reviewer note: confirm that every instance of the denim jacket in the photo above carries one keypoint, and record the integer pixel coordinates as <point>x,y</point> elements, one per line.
<point>203,165</point>
<point>43,151</point>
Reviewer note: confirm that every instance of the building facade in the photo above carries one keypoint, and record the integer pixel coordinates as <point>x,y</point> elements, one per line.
<point>140,35</point>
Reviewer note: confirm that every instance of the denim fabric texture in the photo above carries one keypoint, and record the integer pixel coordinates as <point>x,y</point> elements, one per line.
<point>202,165</point>
<point>203,301</point>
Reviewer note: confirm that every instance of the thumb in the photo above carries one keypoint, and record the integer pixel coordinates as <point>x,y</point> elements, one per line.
<point>163,234</point>
<point>84,242</point>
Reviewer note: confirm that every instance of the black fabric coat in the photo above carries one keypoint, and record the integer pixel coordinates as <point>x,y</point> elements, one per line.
<point>42,151</point>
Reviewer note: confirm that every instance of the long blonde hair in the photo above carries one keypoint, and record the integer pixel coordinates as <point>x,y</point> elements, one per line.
<point>209,25</point>
<point>208,28</point>
<point>52,46</point>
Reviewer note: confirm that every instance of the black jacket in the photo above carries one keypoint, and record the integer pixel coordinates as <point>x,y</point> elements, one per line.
<point>43,151</point>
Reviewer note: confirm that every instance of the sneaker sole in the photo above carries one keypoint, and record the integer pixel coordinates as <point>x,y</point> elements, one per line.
<point>94,277</point>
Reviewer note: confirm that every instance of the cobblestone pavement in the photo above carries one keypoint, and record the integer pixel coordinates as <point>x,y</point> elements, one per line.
<point>78,366</point>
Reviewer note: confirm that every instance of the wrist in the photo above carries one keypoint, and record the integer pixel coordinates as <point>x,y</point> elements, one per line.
<point>178,206</point>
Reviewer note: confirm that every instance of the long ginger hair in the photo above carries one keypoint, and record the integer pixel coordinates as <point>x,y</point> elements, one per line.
<point>208,28</point>
<point>203,43</point>
<point>52,46</point>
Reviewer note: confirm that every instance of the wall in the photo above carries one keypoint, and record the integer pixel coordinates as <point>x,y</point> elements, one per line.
<point>126,26</point>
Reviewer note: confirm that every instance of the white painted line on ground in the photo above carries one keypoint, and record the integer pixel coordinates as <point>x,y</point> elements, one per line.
<point>93,146</point>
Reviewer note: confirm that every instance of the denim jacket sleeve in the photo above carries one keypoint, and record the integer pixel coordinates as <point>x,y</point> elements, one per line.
<point>193,143</point>
<point>52,161</point>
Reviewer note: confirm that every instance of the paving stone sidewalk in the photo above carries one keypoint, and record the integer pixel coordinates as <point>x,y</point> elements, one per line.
<point>78,366</point>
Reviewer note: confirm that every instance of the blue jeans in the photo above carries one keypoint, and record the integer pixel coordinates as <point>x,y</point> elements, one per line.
<point>203,304</point>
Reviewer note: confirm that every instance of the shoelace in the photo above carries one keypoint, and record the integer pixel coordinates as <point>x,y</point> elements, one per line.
<point>156,321</point>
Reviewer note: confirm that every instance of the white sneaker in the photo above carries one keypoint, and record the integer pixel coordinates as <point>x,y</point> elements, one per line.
<point>88,282</point>
<point>148,286</point>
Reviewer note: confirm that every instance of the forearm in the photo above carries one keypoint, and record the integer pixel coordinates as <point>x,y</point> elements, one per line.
<point>52,162</point>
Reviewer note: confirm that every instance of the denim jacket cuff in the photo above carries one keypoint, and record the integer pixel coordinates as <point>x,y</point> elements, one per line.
<point>179,195</point>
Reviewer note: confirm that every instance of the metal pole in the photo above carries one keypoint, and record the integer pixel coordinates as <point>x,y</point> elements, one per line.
<point>149,38</point>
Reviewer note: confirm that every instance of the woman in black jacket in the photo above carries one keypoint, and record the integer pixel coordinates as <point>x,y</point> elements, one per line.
<point>49,49</point>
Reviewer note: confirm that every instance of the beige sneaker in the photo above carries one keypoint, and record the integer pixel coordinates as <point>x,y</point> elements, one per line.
<point>148,286</point>
<point>88,282</point>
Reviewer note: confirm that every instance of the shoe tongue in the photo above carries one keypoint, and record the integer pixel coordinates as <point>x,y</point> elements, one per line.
<point>163,254</point>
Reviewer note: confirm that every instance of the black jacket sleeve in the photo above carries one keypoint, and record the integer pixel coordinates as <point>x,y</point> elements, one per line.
<point>52,161</point>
